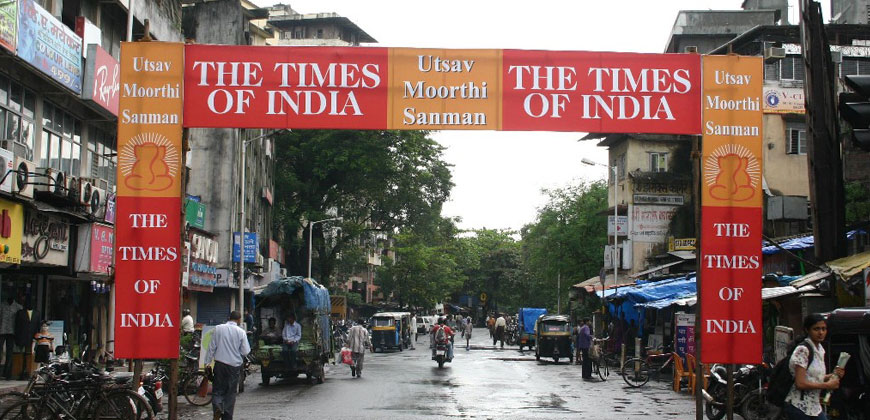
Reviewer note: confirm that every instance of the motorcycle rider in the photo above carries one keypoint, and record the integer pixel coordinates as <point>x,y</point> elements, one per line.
<point>448,334</point>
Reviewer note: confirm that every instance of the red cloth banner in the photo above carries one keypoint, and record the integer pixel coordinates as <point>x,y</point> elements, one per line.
<point>731,215</point>
<point>438,89</point>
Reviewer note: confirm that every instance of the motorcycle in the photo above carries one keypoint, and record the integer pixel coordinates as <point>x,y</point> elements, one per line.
<point>754,405</point>
<point>745,380</point>
<point>441,349</point>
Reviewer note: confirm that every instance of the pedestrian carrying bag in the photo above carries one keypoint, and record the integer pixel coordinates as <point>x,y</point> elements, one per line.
<point>346,356</point>
<point>595,352</point>
<point>781,379</point>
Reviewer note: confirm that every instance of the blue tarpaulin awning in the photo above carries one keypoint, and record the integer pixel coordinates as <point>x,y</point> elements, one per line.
<point>802,242</point>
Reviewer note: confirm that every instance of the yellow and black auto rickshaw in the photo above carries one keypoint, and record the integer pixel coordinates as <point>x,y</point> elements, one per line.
<point>391,330</point>
<point>553,337</point>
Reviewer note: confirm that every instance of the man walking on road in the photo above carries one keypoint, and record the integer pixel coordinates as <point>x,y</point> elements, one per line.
<point>500,325</point>
<point>358,341</point>
<point>229,344</point>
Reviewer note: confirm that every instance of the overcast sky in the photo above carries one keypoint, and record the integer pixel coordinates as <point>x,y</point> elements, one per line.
<point>499,175</point>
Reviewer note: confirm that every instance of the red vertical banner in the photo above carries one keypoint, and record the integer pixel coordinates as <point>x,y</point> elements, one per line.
<point>148,221</point>
<point>731,212</point>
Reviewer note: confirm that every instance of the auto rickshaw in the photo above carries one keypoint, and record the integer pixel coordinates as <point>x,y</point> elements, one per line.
<point>391,330</point>
<point>309,301</point>
<point>553,337</point>
<point>526,318</point>
<point>849,331</point>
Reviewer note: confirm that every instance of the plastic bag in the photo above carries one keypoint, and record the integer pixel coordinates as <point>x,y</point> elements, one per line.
<point>345,356</point>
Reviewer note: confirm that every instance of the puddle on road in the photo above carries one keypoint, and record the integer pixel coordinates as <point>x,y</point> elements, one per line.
<point>447,383</point>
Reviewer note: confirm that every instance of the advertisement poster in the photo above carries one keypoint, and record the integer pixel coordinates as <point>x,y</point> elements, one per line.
<point>148,202</point>
<point>441,89</point>
<point>9,24</point>
<point>49,45</point>
<point>685,334</point>
<point>102,83</point>
<point>731,213</point>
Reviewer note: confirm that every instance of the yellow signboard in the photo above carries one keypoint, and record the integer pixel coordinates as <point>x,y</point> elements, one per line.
<point>11,230</point>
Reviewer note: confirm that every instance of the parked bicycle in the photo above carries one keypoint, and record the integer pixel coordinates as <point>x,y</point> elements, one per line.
<point>637,371</point>
<point>600,363</point>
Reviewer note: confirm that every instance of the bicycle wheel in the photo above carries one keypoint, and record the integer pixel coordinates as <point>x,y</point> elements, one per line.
<point>197,389</point>
<point>123,405</point>
<point>635,373</point>
<point>29,410</point>
<point>603,369</point>
<point>10,398</point>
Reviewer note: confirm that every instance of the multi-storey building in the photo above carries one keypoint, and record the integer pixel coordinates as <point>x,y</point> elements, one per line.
<point>58,126</point>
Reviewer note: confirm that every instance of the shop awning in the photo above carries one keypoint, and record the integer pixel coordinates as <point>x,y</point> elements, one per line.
<point>811,278</point>
<point>654,269</point>
<point>777,292</point>
<point>685,255</point>
<point>594,283</point>
<point>851,265</point>
<point>688,300</point>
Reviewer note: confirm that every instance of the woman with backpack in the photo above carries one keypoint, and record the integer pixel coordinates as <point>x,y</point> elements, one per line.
<point>807,365</point>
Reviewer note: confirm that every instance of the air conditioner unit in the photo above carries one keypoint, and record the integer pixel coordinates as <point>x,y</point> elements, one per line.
<point>691,49</point>
<point>97,202</point>
<point>26,171</point>
<point>774,53</point>
<point>86,186</point>
<point>7,170</point>
<point>45,180</point>
<point>15,147</point>
<point>73,189</point>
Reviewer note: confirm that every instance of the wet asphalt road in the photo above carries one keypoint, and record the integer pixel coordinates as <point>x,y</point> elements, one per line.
<point>483,383</point>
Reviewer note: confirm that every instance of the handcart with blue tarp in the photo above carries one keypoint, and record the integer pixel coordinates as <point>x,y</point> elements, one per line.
<point>310,302</point>
<point>526,319</point>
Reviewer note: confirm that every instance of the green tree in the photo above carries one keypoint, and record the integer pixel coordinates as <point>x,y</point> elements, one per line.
<point>857,203</point>
<point>566,240</point>
<point>426,267</point>
<point>375,180</point>
<point>493,264</point>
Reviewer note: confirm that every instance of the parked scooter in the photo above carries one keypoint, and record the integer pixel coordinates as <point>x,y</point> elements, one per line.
<point>716,395</point>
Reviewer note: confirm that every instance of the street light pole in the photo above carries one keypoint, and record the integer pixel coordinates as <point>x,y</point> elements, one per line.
<point>242,203</point>
<point>613,255</point>
<point>310,235</point>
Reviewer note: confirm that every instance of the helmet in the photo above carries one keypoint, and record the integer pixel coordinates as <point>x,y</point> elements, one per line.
<point>185,312</point>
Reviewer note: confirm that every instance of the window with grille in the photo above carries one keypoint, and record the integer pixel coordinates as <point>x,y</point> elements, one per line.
<point>101,148</point>
<point>791,68</point>
<point>17,110</point>
<point>658,162</point>
<point>854,66</point>
<point>61,143</point>
<point>796,136</point>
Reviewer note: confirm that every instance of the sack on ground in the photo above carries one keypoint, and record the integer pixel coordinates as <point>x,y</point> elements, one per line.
<point>781,379</point>
<point>345,356</point>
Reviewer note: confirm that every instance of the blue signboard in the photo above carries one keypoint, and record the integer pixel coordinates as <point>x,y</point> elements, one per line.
<point>49,45</point>
<point>251,247</point>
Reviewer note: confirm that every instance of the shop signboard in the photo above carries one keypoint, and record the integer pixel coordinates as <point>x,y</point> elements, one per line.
<point>49,45</point>
<point>783,100</point>
<point>252,246</point>
<point>441,89</point>
<point>89,33</point>
<point>110,208</point>
<point>731,218</point>
<point>194,213</point>
<point>148,203</point>
<point>203,259</point>
<point>866,276</point>
<point>101,83</point>
<point>9,24</point>
<point>621,226</point>
<point>681,244</point>
<point>675,200</point>
<point>685,334</point>
<point>45,240</point>
<point>651,223</point>
<point>98,256</point>
<point>11,231</point>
